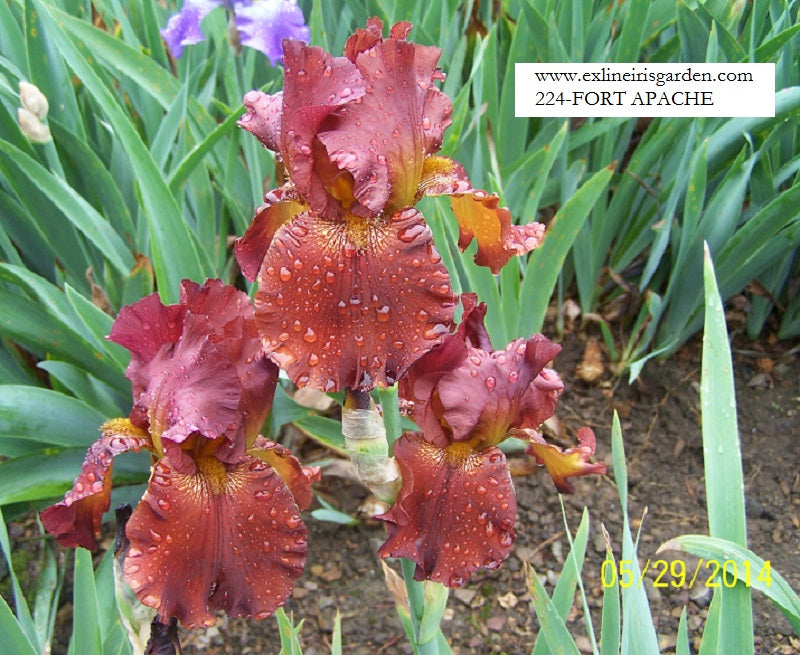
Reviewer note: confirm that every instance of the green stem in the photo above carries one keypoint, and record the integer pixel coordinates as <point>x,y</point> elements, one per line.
<point>416,606</point>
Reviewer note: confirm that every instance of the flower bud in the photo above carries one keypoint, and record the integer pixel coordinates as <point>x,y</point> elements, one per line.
<point>32,127</point>
<point>33,99</point>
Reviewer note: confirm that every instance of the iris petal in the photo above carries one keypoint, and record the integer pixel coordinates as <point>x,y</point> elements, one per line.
<point>264,25</point>
<point>455,511</point>
<point>197,366</point>
<point>184,27</point>
<point>352,303</point>
<point>281,206</point>
<point>563,464</point>
<point>315,85</point>
<point>463,392</point>
<point>229,537</point>
<point>479,215</point>
<point>406,115</point>
<point>296,477</point>
<point>263,117</point>
<point>75,521</point>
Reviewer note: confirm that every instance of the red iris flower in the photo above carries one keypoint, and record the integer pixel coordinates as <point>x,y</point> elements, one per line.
<point>219,526</point>
<point>350,287</point>
<point>456,508</point>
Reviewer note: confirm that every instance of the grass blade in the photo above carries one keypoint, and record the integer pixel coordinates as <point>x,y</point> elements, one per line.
<point>723,464</point>
<point>748,567</point>
<point>546,261</point>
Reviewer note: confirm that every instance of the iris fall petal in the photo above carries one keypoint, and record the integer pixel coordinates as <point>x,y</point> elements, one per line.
<point>352,303</point>
<point>455,511</point>
<point>229,537</point>
<point>75,521</point>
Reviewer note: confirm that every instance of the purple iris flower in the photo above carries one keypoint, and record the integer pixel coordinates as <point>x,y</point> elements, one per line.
<point>262,24</point>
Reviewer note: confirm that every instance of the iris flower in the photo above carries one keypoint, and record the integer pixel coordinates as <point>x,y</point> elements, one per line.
<point>456,508</point>
<point>219,526</point>
<point>350,286</point>
<point>261,24</point>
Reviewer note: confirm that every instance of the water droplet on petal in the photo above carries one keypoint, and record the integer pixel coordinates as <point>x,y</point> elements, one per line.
<point>310,336</point>
<point>285,274</point>
<point>491,382</point>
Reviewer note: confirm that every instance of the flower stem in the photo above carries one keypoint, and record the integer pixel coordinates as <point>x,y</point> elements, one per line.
<point>365,439</point>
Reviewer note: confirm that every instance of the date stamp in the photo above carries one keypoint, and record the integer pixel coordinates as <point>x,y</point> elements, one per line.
<point>678,574</point>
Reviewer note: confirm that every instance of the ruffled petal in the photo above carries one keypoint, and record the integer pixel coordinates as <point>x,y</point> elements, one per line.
<point>455,511</point>
<point>263,117</point>
<point>406,115</point>
<point>296,477</point>
<point>75,521</point>
<point>352,303</point>
<point>197,367</point>
<point>479,215</point>
<point>183,28</point>
<point>229,537</point>
<point>280,206</point>
<point>264,25</point>
<point>563,464</point>
<point>481,400</point>
<point>464,391</point>
<point>315,85</point>
<point>146,328</point>
<point>229,318</point>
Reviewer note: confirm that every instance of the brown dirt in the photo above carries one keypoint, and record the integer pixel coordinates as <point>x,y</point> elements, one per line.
<point>660,417</point>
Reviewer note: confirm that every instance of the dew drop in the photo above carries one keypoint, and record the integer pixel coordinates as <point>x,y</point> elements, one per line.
<point>491,382</point>
<point>297,264</point>
<point>435,330</point>
<point>285,274</point>
<point>164,504</point>
<point>310,336</point>
<point>313,359</point>
<point>410,233</point>
<point>513,376</point>
<point>383,313</point>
